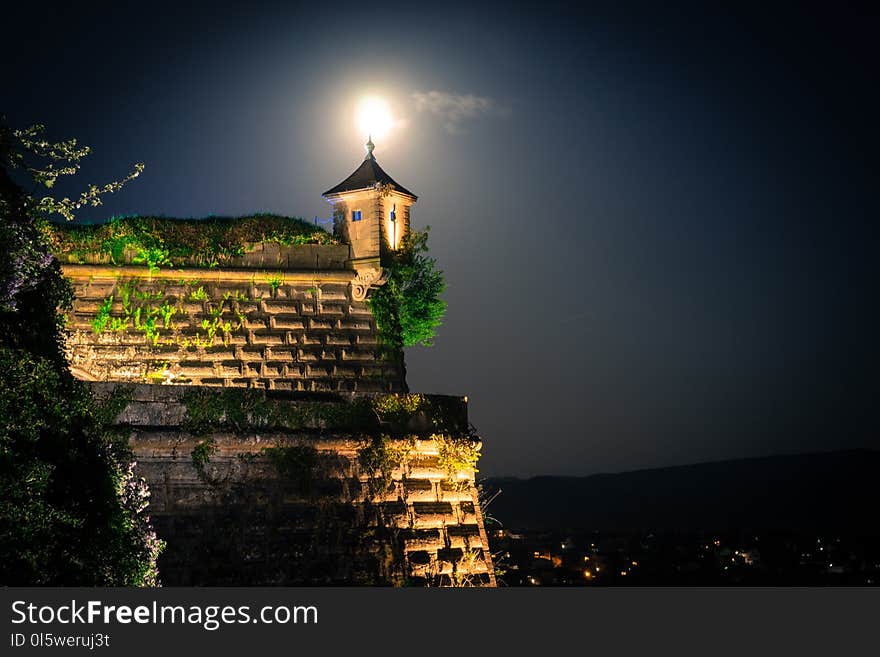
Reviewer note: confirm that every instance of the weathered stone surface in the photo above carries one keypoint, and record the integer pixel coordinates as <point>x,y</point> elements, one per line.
<point>243,518</point>
<point>186,326</point>
<point>244,503</point>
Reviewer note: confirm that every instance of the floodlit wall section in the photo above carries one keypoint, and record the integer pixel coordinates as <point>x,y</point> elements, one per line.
<point>261,328</point>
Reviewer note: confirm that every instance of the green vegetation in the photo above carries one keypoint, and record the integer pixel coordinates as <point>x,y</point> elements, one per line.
<point>72,511</point>
<point>201,455</point>
<point>167,311</point>
<point>102,317</point>
<point>165,242</point>
<point>156,374</point>
<point>242,410</point>
<point>210,410</point>
<point>275,281</point>
<point>141,310</point>
<point>379,457</point>
<point>456,454</point>
<point>198,294</point>
<point>408,308</point>
<point>304,467</point>
<point>399,408</point>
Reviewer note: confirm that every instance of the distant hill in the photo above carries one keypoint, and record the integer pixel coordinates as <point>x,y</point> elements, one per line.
<point>836,491</point>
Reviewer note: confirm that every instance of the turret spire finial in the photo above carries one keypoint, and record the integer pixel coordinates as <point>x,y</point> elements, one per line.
<point>369,146</point>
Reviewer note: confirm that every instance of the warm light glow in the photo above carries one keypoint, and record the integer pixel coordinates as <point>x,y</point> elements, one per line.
<point>374,117</point>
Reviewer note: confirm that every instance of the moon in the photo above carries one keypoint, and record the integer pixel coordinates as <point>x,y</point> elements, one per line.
<point>374,117</point>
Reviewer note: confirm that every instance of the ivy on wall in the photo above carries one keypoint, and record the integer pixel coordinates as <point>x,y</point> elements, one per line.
<point>243,410</point>
<point>389,423</point>
<point>164,242</point>
<point>379,457</point>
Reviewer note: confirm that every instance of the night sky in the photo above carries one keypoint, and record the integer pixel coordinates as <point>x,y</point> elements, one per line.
<point>657,226</point>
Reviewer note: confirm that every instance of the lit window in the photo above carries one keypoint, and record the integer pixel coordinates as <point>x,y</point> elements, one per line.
<point>355,215</point>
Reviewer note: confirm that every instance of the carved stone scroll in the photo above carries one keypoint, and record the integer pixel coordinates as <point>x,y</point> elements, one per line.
<point>366,279</point>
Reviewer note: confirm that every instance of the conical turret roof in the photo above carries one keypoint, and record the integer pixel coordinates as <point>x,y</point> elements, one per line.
<point>366,176</point>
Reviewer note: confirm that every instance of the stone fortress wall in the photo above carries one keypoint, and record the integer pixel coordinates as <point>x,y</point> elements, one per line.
<point>262,321</point>
<point>274,429</point>
<point>308,490</point>
<point>240,500</point>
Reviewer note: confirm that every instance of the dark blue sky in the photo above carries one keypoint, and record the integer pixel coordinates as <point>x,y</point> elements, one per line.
<point>657,225</point>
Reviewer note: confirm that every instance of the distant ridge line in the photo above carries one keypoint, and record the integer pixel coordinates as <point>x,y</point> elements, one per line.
<point>825,491</point>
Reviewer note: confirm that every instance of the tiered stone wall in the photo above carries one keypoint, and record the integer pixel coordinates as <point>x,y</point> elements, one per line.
<point>293,488</point>
<point>262,416</point>
<point>278,329</point>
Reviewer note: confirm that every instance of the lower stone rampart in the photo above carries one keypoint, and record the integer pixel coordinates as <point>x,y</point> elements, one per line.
<point>255,487</point>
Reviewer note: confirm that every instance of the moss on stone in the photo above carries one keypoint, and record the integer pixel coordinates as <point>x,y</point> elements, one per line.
<point>165,242</point>
<point>201,455</point>
<point>388,414</point>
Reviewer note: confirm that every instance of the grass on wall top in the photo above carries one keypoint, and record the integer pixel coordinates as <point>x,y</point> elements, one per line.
<point>164,241</point>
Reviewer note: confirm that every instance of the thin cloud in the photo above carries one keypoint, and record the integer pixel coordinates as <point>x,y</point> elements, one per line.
<point>454,109</point>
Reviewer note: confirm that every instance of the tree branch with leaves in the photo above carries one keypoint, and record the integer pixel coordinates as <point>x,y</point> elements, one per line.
<point>408,308</point>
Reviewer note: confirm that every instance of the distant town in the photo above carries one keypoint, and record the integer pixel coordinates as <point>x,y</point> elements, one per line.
<point>554,558</point>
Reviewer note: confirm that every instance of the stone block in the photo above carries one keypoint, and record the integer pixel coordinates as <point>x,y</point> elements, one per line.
<point>287,322</point>
<point>357,355</point>
<point>230,368</point>
<point>255,322</point>
<point>196,369</point>
<point>265,338</point>
<point>330,309</point>
<point>250,354</point>
<point>280,354</point>
<point>280,307</point>
<point>353,325</point>
<point>305,356</point>
<point>317,372</point>
<point>360,310</point>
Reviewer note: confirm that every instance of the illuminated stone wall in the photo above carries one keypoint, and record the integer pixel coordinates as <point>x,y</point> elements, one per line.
<point>252,500</point>
<point>257,326</point>
<point>280,484</point>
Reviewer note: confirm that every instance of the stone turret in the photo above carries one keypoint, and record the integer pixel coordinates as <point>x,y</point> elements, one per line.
<point>370,208</point>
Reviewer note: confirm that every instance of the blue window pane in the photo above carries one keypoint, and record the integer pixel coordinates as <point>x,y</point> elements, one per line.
<point>355,215</point>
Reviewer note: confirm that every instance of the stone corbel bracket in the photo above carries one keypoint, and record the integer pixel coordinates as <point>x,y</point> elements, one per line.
<point>366,280</point>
